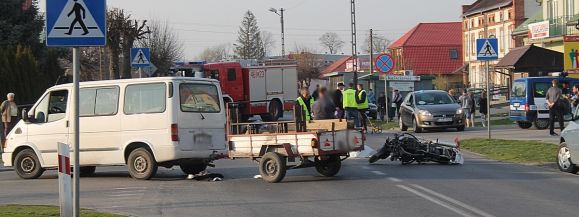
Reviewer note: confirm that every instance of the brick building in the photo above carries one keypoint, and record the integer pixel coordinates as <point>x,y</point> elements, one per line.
<point>492,18</point>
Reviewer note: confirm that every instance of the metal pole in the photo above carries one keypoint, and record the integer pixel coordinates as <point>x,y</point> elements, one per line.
<point>372,59</point>
<point>75,129</point>
<point>488,100</point>
<point>354,49</point>
<point>282,35</point>
<point>387,103</point>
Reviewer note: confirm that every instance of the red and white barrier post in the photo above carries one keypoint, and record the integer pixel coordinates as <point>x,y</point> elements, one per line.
<point>64,180</point>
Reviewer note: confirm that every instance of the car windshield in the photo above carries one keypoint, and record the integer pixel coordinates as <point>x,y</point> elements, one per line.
<point>199,98</point>
<point>433,98</point>
<point>519,89</point>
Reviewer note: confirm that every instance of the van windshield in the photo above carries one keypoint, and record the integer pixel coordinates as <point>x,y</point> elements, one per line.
<point>199,98</point>
<point>519,89</point>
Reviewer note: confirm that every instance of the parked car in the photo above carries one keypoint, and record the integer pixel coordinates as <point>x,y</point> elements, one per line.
<point>430,109</point>
<point>568,155</point>
<point>141,123</point>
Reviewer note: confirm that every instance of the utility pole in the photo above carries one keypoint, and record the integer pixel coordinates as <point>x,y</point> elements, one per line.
<point>372,59</point>
<point>354,48</point>
<point>280,14</point>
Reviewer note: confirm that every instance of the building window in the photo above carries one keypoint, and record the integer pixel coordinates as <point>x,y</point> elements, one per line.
<point>570,5</point>
<point>453,54</point>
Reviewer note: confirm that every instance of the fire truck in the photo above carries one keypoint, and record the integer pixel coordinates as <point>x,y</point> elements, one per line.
<point>273,84</point>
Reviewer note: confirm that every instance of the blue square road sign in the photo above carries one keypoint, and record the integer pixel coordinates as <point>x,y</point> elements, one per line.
<point>76,23</point>
<point>487,49</point>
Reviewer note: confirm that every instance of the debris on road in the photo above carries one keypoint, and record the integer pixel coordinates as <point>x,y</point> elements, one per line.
<point>407,148</point>
<point>212,177</point>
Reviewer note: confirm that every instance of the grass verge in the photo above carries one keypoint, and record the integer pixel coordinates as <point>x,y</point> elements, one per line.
<point>516,151</point>
<point>42,211</point>
<point>394,125</point>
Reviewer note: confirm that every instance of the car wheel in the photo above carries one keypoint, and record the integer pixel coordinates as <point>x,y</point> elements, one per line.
<point>329,167</point>
<point>27,165</point>
<point>193,168</point>
<point>541,124</point>
<point>524,124</point>
<point>402,126</point>
<point>141,164</point>
<point>272,167</point>
<point>415,126</point>
<point>564,161</point>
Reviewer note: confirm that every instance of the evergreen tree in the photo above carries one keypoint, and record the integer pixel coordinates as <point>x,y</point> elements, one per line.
<point>250,44</point>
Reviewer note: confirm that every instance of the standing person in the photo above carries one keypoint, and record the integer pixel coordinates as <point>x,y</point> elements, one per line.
<point>9,112</point>
<point>466,104</point>
<point>553,98</point>
<point>482,102</point>
<point>315,93</point>
<point>351,105</point>
<point>575,98</point>
<point>338,99</point>
<point>396,103</point>
<point>362,100</point>
<point>306,102</point>
<point>324,108</point>
<point>371,96</point>
<point>472,109</point>
<point>452,93</point>
<point>381,105</point>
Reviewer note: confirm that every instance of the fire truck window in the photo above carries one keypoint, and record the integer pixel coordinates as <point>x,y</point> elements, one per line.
<point>231,74</point>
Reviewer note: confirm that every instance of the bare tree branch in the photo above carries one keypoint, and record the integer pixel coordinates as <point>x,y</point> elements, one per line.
<point>332,42</point>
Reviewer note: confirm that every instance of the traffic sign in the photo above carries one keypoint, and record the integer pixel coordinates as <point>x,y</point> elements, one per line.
<point>384,63</point>
<point>76,23</point>
<point>486,49</point>
<point>140,57</point>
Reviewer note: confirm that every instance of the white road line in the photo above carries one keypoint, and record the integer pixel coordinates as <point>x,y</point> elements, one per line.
<point>394,179</point>
<point>125,195</point>
<point>127,188</point>
<point>466,206</point>
<point>366,167</point>
<point>436,201</point>
<point>378,173</point>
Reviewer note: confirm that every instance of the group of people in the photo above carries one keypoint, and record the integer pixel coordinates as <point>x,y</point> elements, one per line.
<point>557,105</point>
<point>9,112</point>
<point>469,104</point>
<point>351,103</point>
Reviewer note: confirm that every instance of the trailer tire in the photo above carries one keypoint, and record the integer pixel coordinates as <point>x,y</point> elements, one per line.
<point>541,124</point>
<point>329,167</point>
<point>272,167</point>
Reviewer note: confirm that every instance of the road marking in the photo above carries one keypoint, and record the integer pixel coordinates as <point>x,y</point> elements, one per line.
<point>127,188</point>
<point>434,200</point>
<point>126,195</point>
<point>466,206</point>
<point>394,179</point>
<point>366,167</point>
<point>378,173</point>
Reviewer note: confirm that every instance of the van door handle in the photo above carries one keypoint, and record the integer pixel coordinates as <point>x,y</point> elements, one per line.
<point>67,123</point>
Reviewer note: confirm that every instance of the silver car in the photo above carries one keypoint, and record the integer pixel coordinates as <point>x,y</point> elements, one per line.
<point>430,109</point>
<point>568,155</point>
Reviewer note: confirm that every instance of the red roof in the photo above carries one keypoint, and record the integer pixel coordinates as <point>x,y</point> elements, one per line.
<point>338,66</point>
<point>426,48</point>
<point>429,34</point>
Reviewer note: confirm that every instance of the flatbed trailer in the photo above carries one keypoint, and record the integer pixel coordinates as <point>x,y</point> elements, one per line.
<point>293,144</point>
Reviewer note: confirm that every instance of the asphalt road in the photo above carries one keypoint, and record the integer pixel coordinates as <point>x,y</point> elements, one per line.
<point>480,187</point>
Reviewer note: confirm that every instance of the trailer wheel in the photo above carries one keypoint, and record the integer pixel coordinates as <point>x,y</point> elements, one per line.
<point>524,124</point>
<point>272,167</point>
<point>329,167</point>
<point>541,124</point>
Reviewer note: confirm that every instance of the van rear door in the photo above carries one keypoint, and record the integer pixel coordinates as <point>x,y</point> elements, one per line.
<point>201,119</point>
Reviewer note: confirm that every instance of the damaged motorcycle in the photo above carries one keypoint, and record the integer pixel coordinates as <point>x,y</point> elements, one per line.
<point>407,149</point>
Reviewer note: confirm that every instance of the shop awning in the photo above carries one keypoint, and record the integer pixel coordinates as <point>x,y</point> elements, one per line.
<point>532,59</point>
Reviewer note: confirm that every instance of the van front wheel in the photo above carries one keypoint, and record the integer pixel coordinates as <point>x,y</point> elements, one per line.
<point>141,164</point>
<point>27,165</point>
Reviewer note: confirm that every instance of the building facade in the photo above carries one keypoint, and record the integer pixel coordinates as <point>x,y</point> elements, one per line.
<point>492,18</point>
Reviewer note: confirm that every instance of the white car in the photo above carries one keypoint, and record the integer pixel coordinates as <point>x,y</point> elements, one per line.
<point>568,155</point>
<point>141,123</point>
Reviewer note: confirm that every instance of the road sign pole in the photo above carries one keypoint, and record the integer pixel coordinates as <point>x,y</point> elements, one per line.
<point>75,128</point>
<point>140,72</point>
<point>387,103</point>
<point>488,100</point>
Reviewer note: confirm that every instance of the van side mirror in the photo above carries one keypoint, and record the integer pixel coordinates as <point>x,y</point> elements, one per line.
<point>25,115</point>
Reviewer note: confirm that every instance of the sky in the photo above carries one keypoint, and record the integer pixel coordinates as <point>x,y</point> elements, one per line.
<point>201,24</point>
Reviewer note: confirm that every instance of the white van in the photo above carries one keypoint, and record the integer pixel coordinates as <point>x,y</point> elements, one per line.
<point>141,123</point>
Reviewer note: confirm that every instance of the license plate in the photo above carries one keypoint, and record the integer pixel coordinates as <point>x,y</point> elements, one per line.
<point>517,104</point>
<point>444,119</point>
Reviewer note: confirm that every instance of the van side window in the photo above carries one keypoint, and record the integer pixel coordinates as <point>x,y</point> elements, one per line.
<point>231,76</point>
<point>52,107</point>
<point>145,98</point>
<point>99,101</point>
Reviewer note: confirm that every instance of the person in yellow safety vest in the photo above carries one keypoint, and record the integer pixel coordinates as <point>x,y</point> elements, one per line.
<point>362,100</point>
<point>351,105</point>
<point>306,102</point>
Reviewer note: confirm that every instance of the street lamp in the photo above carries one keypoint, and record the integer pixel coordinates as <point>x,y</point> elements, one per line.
<point>280,13</point>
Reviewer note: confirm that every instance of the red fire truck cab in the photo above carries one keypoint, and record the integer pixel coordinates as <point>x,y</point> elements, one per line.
<point>273,84</point>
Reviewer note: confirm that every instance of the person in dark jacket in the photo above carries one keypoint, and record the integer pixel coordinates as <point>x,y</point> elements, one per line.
<point>553,98</point>
<point>338,99</point>
<point>482,102</point>
<point>381,103</point>
<point>324,108</point>
<point>473,108</point>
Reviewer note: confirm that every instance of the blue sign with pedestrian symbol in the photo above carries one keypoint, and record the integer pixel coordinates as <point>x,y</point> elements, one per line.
<point>384,63</point>
<point>486,49</point>
<point>76,23</point>
<point>140,57</point>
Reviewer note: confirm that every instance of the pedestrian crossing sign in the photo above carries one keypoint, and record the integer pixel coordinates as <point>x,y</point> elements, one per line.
<point>76,23</point>
<point>486,49</point>
<point>140,57</point>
